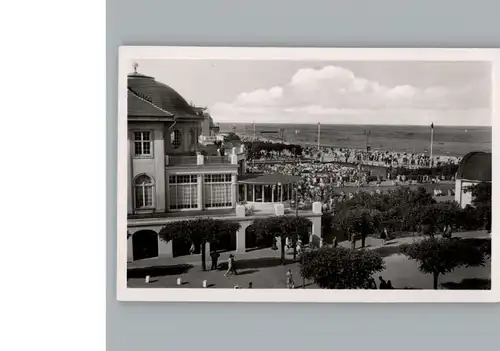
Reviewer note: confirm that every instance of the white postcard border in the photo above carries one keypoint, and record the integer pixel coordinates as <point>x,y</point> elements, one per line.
<point>128,54</point>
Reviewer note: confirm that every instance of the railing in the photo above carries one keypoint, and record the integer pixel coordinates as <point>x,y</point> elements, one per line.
<point>181,160</point>
<point>199,160</point>
<point>217,160</point>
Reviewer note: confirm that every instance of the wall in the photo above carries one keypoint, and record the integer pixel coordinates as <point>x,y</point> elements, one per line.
<point>153,166</point>
<point>184,128</point>
<point>463,198</point>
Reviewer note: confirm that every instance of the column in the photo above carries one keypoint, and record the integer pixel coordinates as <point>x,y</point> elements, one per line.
<point>233,189</point>
<point>207,252</point>
<point>316,240</point>
<point>130,250</point>
<point>165,249</point>
<point>272,193</point>
<point>240,237</point>
<point>199,187</point>
<point>167,192</point>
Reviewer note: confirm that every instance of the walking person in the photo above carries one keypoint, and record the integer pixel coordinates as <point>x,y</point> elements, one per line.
<point>382,284</point>
<point>215,258</point>
<point>231,268</point>
<point>383,236</point>
<point>289,280</point>
<point>353,241</point>
<point>449,232</point>
<point>299,247</point>
<point>192,249</point>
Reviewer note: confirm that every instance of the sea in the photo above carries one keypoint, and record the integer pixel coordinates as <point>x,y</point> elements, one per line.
<point>448,140</point>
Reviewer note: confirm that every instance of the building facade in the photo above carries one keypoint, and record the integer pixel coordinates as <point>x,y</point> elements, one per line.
<point>474,168</point>
<point>173,176</point>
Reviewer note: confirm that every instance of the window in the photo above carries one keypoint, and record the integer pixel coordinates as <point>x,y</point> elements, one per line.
<point>191,141</point>
<point>250,192</point>
<point>258,193</point>
<point>143,192</point>
<point>218,190</point>
<point>183,191</point>
<point>268,190</point>
<point>142,143</point>
<point>176,138</point>
<point>241,193</point>
<point>277,193</point>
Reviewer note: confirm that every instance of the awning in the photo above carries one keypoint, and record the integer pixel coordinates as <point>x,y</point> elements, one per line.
<point>270,179</point>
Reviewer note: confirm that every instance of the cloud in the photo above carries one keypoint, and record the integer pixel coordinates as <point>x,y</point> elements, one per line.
<point>333,91</point>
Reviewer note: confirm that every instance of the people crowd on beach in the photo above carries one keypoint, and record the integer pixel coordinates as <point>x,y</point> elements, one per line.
<point>383,158</point>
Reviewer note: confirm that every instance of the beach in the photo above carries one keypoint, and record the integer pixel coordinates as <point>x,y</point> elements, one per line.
<point>448,140</point>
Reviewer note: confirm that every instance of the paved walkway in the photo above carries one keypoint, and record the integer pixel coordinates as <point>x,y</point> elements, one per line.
<point>371,243</point>
<point>262,268</point>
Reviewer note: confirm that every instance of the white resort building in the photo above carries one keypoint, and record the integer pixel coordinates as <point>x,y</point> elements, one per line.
<point>474,168</point>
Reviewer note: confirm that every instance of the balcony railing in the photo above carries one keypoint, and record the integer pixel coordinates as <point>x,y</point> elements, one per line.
<point>181,160</point>
<point>200,160</point>
<point>215,160</point>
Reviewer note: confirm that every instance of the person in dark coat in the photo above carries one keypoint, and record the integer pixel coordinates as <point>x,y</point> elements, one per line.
<point>215,258</point>
<point>383,283</point>
<point>384,236</point>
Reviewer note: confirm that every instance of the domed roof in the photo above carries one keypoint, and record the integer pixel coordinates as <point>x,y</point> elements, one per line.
<point>475,166</point>
<point>148,97</point>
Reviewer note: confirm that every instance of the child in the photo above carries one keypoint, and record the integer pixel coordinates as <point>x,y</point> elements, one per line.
<point>289,280</point>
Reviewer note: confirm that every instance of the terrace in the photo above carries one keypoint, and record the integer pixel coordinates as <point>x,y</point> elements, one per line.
<point>231,157</point>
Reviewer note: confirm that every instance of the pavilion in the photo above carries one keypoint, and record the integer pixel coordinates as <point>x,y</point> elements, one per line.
<point>264,190</point>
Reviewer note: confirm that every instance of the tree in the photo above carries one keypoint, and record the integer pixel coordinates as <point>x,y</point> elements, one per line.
<point>199,231</point>
<point>341,268</point>
<point>481,199</point>
<point>398,209</point>
<point>441,256</point>
<point>447,213</point>
<point>281,228</point>
<point>360,222</point>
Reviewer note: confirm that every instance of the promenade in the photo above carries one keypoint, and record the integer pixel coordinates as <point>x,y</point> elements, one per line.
<point>263,269</point>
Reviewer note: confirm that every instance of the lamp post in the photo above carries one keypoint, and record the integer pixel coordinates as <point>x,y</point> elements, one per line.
<point>367,133</point>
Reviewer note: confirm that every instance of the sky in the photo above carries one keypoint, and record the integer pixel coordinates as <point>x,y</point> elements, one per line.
<point>332,92</point>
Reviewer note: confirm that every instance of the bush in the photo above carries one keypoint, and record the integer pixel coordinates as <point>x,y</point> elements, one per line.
<point>340,268</point>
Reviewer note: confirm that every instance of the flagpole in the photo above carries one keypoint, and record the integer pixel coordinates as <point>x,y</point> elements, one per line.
<point>319,134</point>
<point>432,139</point>
<point>253,130</point>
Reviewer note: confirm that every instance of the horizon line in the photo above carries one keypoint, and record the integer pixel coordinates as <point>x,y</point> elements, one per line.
<point>362,124</point>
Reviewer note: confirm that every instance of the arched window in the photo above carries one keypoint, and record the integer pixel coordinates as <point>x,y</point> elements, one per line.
<point>143,192</point>
<point>176,138</point>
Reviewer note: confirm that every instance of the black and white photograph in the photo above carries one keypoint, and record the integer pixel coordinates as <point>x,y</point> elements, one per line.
<point>308,175</point>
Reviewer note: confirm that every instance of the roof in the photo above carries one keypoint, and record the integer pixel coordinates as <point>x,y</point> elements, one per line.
<point>268,179</point>
<point>475,166</point>
<point>157,95</point>
<point>138,106</point>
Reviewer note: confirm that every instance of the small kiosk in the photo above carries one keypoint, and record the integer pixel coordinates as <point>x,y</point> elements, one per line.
<point>265,190</point>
